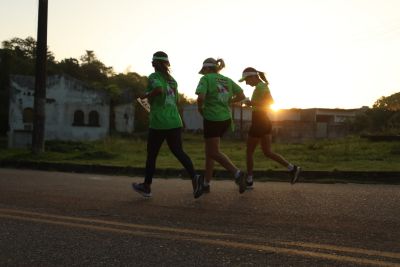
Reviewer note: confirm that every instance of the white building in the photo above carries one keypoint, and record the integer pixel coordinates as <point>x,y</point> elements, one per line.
<point>73,110</point>
<point>124,112</point>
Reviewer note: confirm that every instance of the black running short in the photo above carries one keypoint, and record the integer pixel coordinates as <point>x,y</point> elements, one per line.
<point>260,124</point>
<point>215,128</point>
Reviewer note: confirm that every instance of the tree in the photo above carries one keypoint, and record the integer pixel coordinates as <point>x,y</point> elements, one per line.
<point>22,47</point>
<point>391,102</point>
<point>71,67</point>
<point>94,70</point>
<point>89,57</point>
<point>25,48</point>
<point>383,117</point>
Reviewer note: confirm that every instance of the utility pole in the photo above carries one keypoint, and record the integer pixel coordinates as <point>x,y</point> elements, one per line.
<point>241,121</point>
<point>40,81</point>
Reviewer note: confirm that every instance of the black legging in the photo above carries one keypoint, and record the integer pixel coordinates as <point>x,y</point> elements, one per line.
<point>154,141</point>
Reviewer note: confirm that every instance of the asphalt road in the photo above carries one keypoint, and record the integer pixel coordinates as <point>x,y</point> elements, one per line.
<point>65,219</point>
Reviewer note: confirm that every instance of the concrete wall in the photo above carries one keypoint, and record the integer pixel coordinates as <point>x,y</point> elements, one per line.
<point>192,119</point>
<point>125,118</point>
<point>289,125</point>
<point>64,96</point>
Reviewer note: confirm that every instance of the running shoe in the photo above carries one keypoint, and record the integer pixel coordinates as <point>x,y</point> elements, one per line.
<point>197,182</point>
<point>206,188</point>
<point>249,185</point>
<point>295,174</point>
<point>241,182</point>
<point>142,189</point>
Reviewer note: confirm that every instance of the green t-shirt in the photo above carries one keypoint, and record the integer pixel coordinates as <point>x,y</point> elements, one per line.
<point>164,113</point>
<point>261,94</point>
<point>218,91</point>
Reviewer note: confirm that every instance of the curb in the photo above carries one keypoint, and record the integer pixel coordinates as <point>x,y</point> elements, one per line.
<point>370,177</point>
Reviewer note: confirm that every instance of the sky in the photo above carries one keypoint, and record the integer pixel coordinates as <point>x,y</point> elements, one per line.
<point>315,53</point>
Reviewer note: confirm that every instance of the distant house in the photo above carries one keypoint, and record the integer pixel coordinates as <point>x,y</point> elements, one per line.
<point>298,125</point>
<point>289,125</point>
<point>74,111</point>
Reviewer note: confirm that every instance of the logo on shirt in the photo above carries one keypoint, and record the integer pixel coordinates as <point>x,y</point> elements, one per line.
<point>223,92</point>
<point>170,96</point>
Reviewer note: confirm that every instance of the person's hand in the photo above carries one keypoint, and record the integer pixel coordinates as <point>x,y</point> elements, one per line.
<point>143,96</point>
<point>246,101</point>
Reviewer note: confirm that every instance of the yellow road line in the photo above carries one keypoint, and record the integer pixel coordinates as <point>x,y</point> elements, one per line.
<point>344,249</point>
<point>230,244</point>
<point>131,225</point>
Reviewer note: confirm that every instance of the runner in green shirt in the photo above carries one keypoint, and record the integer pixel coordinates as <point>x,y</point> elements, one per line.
<point>165,124</point>
<point>164,112</point>
<point>261,126</point>
<point>215,93</point>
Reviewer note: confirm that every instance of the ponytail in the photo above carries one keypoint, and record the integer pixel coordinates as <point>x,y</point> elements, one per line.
<point>220,64</point>
<point>262,76</point>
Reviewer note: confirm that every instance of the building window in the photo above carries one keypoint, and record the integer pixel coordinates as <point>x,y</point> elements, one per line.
<point>27,116</point>
<point>94,118</point>
<point>78,118</point>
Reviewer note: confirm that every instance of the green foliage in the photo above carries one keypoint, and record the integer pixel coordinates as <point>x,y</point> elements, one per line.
<point>24,48</point>
<point>379,119</point>
<point>68,146</point>
<point>94,155</point>
<point>391,102</point>
<point>184,100</point>
<point>71,67</point>
<point>384,117</point>
<point>394,122</point>
<point>113,90</point>
<point>130,80</point>
<point>315,146</point>
<point>395,150</point>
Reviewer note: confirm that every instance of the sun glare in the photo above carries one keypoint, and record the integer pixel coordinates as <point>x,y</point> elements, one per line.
<point>275,107</point>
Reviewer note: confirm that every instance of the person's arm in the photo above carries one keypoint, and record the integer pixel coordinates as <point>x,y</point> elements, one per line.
<point>153,93</point>
<point>266,101</point>
<point>201,91</point>
<point>237,92</point>
<point>238,97</point>
<point>200,103</point>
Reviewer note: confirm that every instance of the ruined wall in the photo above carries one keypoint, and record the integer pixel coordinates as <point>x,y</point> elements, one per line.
<point>125,118</point>
<point>64,97</point>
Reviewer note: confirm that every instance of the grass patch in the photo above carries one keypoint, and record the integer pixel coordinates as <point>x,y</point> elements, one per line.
<point>96,155</point>
<point>347,154</point>
<point>67,146</point>
<point>3,142</point>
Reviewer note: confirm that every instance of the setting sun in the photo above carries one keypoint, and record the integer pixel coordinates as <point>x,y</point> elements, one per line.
<point>318,53</point>
<point>275,107</point>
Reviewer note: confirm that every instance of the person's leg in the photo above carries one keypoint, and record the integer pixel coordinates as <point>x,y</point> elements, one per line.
<point>213,152</point>
<point>208,173</point>
<point>174,141</point>
<point>209,169</point>
<point>213,131</point>
<point>266,149</point>
<point>252,143</point>
<point>154,141</point>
